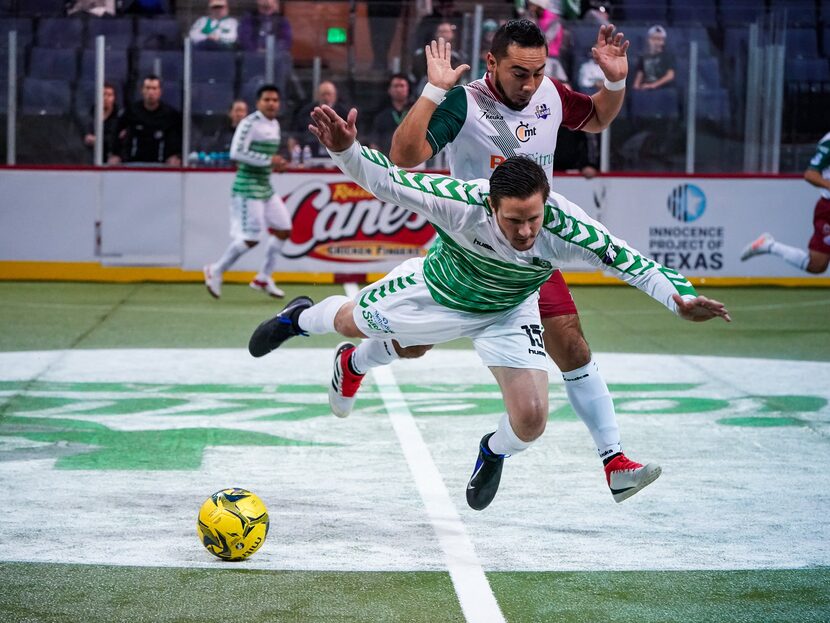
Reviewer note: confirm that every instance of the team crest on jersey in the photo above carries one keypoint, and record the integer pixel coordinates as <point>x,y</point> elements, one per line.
<point>542,111</point>
<point>524,132</point>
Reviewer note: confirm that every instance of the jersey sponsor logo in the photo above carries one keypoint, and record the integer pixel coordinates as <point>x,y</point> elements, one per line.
<point>341,222</point>
<point>524,132</point>
<point>542,111</point>
<point>492,115</point>
<point>496,160</point>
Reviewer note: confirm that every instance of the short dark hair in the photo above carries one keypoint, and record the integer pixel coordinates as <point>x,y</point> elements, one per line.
<point>522,32</point>
<point>267,88</point>
<point>394,77</point>
<point>519,177</point>
<point>150,77</point>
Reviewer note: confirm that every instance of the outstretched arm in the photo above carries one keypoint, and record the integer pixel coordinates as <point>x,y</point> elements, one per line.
<point>578,236</point>
<point>610,53</point>
<point>409,143</point>
<point>443,200</point>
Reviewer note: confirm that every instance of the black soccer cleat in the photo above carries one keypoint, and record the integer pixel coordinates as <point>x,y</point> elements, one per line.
<point>486,476</point>
<point>271,333</point>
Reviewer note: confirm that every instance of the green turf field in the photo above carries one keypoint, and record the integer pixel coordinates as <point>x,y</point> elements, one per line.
<point>123,406</point>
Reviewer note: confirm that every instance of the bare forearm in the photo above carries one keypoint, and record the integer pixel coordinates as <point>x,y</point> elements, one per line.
<point>409,143</point>
<point>814,177</point>
<point>607,105</point>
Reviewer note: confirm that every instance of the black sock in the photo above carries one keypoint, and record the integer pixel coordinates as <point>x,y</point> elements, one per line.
<point>607,460</point>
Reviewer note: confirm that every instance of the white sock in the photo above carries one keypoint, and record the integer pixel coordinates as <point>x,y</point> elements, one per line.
<point>797,257</point>
<point>319,319</point>
<point>371,354</point>
<point>505,441</point>
<point>590,398</point>
<point>272,254</point>
<point>234,251</point>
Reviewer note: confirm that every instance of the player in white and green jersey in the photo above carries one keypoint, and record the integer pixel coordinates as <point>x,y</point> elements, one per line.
<point>516,110</point>
<point>499,240</point>
<point>256,210</point>
<point>816,257</point>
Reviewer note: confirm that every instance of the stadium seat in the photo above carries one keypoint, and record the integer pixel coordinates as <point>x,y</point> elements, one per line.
<point>682,35</point>
<point>4,62</point>
<point>807,70</point>
<point>158,33</point>
<point>172,62</point>
<point>60,32</point>
<point>713,105</point>
<point>657,104</point>
<point>214,66</point>
<point>802,43</point>
<point>116,65</point>
<point>50,139</point>
<point>45,97</point>
<point>799,12</point>
<point>652,11</point>
<point>708,73</point>
<point>118,32</point>
<point>740,12</point>
<point>824,13</point>
<point>211,98</point>
<point>252,67</point>
<point>41,8</point>
<point>23,27</point>
<point>703,12</point>
<point>53,64</point>
<point>826,42</point>
<point>4,101</point>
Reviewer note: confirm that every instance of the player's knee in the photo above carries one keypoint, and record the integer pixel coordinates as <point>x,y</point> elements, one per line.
<point>410,352</point>
<point>344,322</point>
<point>818,265</point>
<point>530,421</point>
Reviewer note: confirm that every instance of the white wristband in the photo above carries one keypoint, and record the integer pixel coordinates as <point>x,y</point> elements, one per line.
<point>434,93</point>
<point>619,85</point>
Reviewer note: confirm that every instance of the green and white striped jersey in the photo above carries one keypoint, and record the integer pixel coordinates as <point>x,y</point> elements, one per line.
<point>821,161</point>
<point>256,139</point>
<point>473,267</point>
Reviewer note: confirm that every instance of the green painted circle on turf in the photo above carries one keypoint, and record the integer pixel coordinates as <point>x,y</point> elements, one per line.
<point>760,422</point>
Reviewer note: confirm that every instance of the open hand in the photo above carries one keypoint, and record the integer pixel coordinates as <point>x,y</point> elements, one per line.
<point>609,52</point>
<point>333,132</point>
<point>700,309</point>
<point>439,64</point>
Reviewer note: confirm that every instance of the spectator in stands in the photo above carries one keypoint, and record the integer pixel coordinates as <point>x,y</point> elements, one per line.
<point>655,68</point>
<point>576,151</point>
<point>387,119</point>
<point>590,76</point>
<point>112,118</point>
<point>443,30</point>
<point>442,11</point>
<point>326,94</point>
<point>151,131</point>
<point>266,20</point>
<point>98,8</point>
<point>217,30</point>
<point>549,22</point>
<point>219,141</point>
<point>383,17</point>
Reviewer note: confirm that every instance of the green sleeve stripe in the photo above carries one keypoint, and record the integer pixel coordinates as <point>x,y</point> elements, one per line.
<point>821,159</point>
<point>448,119</point>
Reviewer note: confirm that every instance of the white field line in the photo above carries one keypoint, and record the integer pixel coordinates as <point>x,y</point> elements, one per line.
<point>475,596</point>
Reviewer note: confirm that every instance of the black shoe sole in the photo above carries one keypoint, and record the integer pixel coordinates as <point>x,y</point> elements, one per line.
<point>262,341</point>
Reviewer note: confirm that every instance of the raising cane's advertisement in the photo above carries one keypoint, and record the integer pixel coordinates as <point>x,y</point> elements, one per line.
<point>346,229</point>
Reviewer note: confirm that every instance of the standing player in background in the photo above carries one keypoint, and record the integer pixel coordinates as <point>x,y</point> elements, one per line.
<point>515,110</point>
<point>817,256</point>
<point>255,209</point>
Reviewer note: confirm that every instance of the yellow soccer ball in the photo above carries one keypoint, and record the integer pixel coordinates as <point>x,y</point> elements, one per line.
<point>233,524</point>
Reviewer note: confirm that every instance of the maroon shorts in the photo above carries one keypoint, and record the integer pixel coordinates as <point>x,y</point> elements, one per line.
<point>554,297</point>
<point>821,229</point>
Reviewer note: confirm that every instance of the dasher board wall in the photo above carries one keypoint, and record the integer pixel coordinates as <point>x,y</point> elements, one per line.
<point>697,225</point>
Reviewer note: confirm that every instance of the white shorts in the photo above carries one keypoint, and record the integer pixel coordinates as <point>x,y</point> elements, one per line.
<point>252,218</point>
<point>400,307</point>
